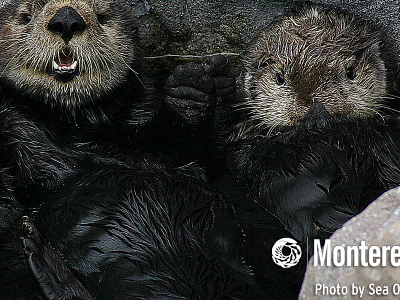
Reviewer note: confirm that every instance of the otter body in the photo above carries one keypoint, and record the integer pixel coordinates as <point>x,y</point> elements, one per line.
<point>316,142</point>
<point>139,234</point>
<point>310,137</point>
<point>79,137</point>
<point>72,86</point>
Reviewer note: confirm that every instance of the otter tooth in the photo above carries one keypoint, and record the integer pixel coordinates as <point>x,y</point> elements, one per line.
<point>73,66</point>
<point>55,65</point>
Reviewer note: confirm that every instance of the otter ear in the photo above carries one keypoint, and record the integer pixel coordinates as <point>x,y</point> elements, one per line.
<point>367,47</point>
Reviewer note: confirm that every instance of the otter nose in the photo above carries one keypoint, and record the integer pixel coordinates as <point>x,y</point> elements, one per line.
<point>67,22</point>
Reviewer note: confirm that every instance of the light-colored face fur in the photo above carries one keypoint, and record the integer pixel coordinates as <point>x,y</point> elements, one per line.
<point>101,54</point>
<point>315,56</point>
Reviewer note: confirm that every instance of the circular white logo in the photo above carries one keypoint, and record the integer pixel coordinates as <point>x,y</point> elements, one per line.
<point>286,253</point>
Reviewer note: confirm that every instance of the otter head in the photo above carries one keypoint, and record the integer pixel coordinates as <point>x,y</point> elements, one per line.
<point>315,56</point>
<point>66,52</point>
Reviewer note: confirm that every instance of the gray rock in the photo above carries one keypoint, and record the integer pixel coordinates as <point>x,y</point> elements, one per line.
<point>378,225</point>
<point>203,26</point>
<point>176,31</point>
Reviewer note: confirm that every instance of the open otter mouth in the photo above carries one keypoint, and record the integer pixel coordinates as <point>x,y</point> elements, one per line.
<point>64,67</point>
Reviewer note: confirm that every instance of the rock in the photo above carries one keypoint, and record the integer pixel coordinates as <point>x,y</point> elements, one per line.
<point>177,31</point>
<point>378,225</point>
<point>228,25</point>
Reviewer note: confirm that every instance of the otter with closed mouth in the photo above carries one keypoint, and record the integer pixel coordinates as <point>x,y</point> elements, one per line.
<point>318,55</point>
<point>312,136</point>
<point>315,142</point>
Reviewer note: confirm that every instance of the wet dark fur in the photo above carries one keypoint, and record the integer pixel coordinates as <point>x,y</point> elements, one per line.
<point>318,175</point>
<point>140,234</point>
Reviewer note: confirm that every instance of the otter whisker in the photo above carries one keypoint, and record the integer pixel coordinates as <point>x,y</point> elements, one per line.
<point>270,131</point>
<point>375,111</point>
<point>107,58</point>
<point>391,109</point>
<point>20,41</point>
<point>390,96</point>
<point>106,64</point>
<point>8,40</point>
<point>136,74</point>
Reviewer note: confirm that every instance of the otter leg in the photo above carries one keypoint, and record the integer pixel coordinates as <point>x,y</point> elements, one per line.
<point>197,100</point>
<point>51,273</point>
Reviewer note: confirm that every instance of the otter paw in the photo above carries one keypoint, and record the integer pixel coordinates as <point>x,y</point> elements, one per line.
<point>53,276</point>
<point>220,69</point>
<point>190,92</point>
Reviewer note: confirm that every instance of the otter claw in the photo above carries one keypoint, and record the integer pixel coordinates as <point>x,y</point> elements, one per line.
<point>27,227</point>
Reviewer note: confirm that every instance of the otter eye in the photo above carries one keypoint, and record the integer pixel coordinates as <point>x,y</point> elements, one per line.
<point>262,65</point>
<point>351,73</point>
<point>26,18</point>
<point>102,18</point>
<point>280,79</point>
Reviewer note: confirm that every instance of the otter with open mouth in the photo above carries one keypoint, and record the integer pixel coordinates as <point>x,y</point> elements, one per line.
<point>67,53</point>
<point>75,116</point>
<point>71,83</point>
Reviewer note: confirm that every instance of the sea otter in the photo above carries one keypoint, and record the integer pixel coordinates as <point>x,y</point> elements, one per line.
<point>315,56</point>
<point>71,91</point>
<point>315,144</point>
<point>79,128</point>
<point>69,54</point>
<point>312,136</point>
<point>314,86</point>
<point>71,85</point>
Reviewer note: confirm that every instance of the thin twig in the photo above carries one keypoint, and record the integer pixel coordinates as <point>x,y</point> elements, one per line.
<point>189,56</point>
